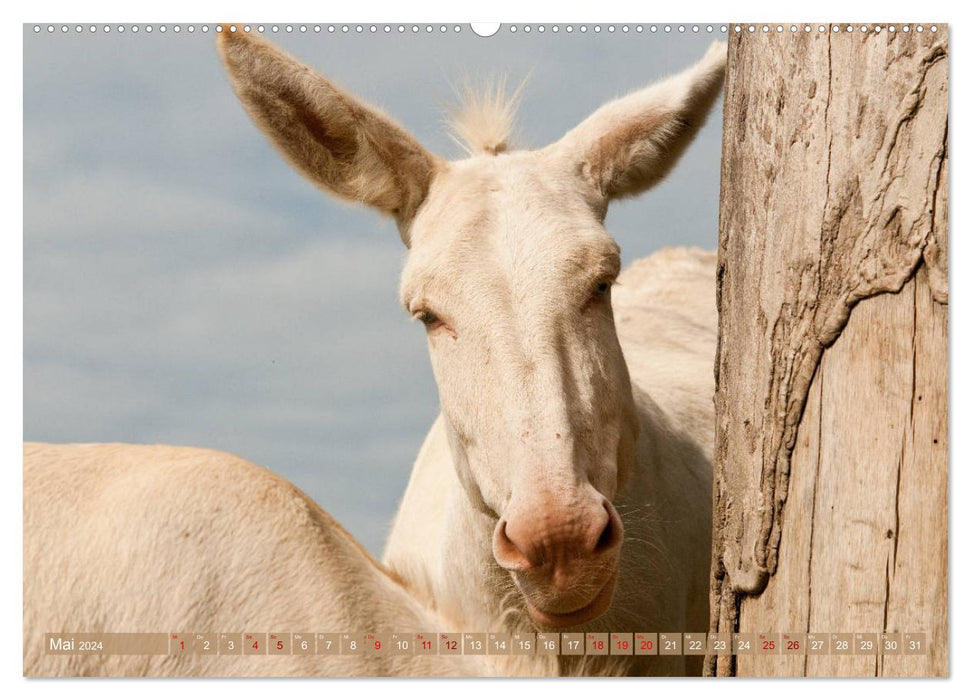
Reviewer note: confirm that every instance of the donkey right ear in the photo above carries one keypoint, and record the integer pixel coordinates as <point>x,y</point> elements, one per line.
<point>344,146</point>
<point>630,144</point>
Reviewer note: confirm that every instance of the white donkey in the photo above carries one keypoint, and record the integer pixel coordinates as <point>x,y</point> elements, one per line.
<point>562,487</point>
<point>133,538</point>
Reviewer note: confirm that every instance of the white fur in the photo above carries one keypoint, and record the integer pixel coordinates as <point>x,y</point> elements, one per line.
<point>132,538</point>
<point>485,118</point>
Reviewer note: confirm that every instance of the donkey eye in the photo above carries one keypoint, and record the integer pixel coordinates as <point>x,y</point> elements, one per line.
<point>600,291</point>
<point>428,318</point>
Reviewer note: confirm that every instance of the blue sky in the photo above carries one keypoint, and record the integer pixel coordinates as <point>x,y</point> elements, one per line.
<point>183,285</point>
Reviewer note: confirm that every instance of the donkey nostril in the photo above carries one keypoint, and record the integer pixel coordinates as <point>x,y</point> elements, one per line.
<point>606,537</point>
<point>506,551</point>
<point>612,532</point>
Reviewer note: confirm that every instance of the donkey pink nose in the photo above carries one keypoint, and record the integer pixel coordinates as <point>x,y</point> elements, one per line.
<point>554,538</point>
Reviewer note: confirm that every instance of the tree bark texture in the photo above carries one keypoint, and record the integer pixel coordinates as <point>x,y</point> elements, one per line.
<point>830,491</point>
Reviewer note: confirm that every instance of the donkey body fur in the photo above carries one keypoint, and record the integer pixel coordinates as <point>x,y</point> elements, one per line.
<point>139,538</point>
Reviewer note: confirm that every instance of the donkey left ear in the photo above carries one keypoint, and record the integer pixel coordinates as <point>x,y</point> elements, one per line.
<point>630,144</point>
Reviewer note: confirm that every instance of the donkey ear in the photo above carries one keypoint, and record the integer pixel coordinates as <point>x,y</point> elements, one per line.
<point>631,143</point>
<point>344,146</point>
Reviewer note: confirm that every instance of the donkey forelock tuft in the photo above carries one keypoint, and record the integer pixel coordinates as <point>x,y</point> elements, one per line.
<point>484,119</point>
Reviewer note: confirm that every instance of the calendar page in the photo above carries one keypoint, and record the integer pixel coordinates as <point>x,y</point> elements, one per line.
<point>514,349</point>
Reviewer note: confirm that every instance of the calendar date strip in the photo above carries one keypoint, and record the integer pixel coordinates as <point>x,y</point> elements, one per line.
<point>492,643</point>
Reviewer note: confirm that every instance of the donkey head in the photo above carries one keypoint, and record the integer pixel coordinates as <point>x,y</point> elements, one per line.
<point>510,271</point>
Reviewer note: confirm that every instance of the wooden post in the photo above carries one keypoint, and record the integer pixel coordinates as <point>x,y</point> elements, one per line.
<point>831,440</point>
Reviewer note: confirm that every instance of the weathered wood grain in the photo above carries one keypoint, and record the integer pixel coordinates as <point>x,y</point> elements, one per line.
<point>831,457</point>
